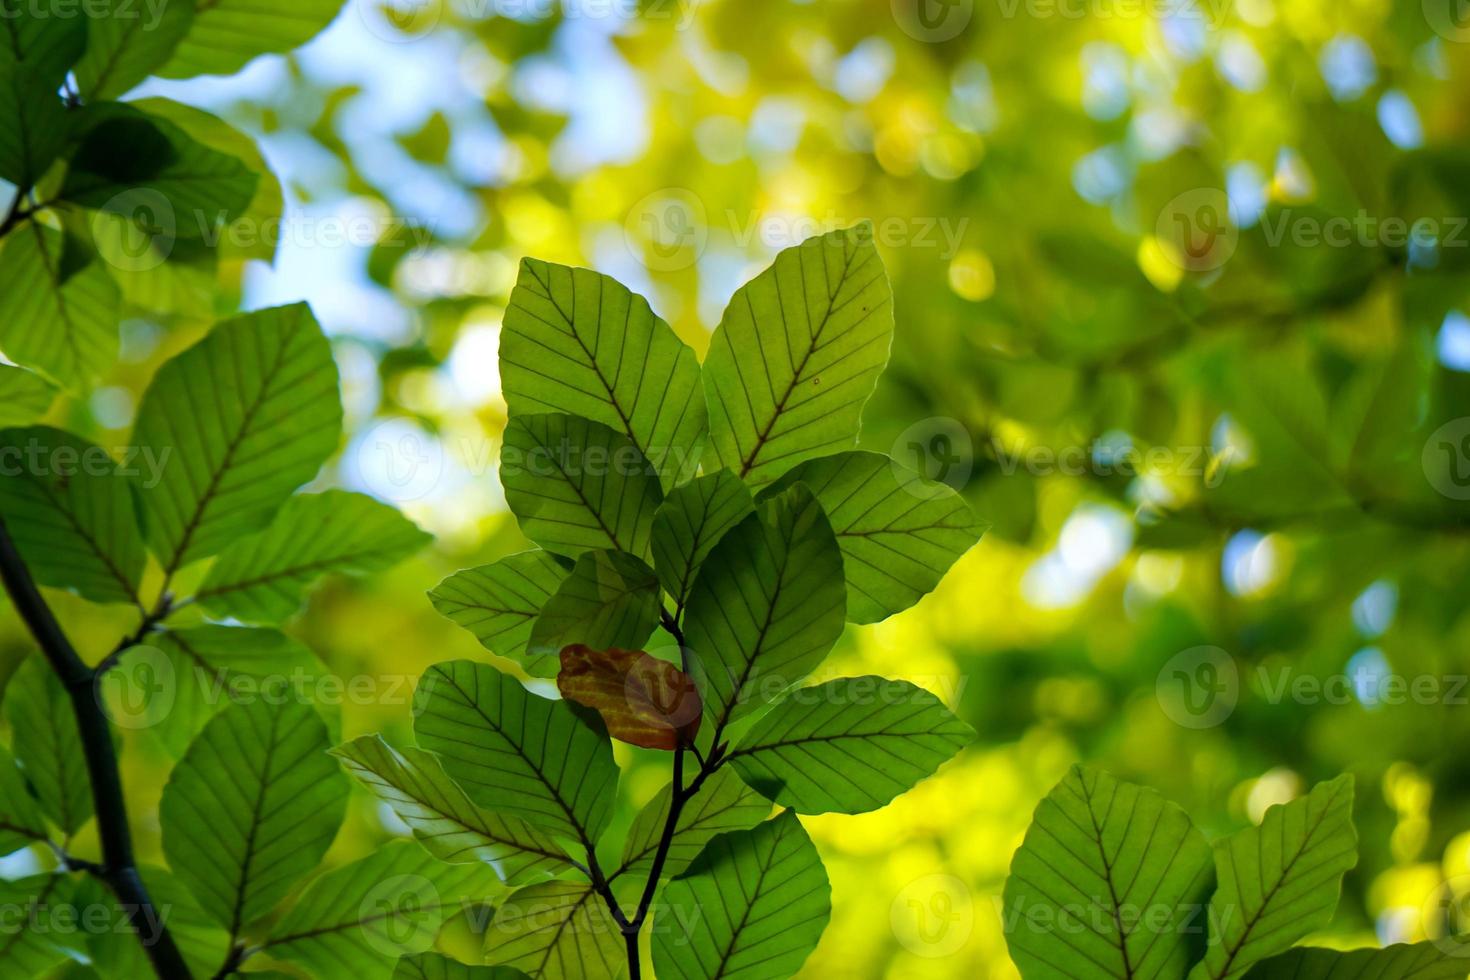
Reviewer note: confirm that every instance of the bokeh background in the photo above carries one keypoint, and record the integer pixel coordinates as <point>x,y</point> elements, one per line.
<point>1155,320</point>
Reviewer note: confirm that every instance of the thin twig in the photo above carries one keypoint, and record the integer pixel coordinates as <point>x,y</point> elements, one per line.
<point>118,869</point>
<point>150,624</point>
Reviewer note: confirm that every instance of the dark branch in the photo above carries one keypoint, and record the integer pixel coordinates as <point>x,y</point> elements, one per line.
<point>118,869</point>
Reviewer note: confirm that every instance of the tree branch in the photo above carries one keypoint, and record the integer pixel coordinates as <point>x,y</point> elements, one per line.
<point>118,869</point>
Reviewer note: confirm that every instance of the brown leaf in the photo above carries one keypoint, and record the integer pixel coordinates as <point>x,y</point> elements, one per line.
<point>643,700</point>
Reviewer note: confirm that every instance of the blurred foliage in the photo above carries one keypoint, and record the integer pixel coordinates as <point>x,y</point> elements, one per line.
<point>1192,418</point>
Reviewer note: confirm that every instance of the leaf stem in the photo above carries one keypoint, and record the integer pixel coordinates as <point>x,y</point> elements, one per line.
<point>118,869</point>
<point>679,794</point>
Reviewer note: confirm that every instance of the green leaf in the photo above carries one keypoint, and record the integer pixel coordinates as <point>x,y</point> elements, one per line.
<point>848,746</point>
<point>610,600</point>
<point>433,966</point>
<point>178,680</point>
<point>126,41</point>
<point>515,752</point>
<point>797,354</point>
<point>753,905</point>
<point>1280,880</point>
<point>252,807</point>
<point>579,342</point>
<point>359,919</point>
<point>24,396</point>
<point>575,485</point>
<point>140,166</point>
<point>899,533</point>
<point>248,414</point>
<point>766,607</point>
<point>48,745</point>
<point>26,951</point>
<point>722,804</point>
<point>413,782</point>
<point>1421,961</point>
<point>261,579</point>
<point>229,34</point>
<point>58,308</point>
<point>255,233</point>
<point>690,522</point>
<point>500,601</point>
<point>21,822</point>
<point>1110,882</point>
<point>557,930</point>
<point>47,44</point>
<point>71,513</point>
<point>36,48</point>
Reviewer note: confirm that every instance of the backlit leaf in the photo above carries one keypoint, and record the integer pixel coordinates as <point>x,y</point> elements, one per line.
<point>147,168</point>
<point>21,822</point>
<point>1110,882</point>
<point>899,533</point>
<point>359,919</point>
<point>126,41</point>
<point>24,396</point>
<point>262,578</point>
<point>766,607</point>
<point>575,485</point>
<point>48,744</point>
<point>848,746</point>
<point>557,930</point>
<point>579,342</point>
<point>252,807</point>
<point>610,600</point>
<point>515,752</point>
<point>752,905</point>
<point>58,308</point>
<point>71,513</point>
<point>1280,880</point>
<point>797,354</point>
<point>690,522</point>
<point>500,601</point>
<point>228,34</point>
<point>414,784</point>
<point>1421,961</point>
<point>434,966</point>
<point>248,414</point>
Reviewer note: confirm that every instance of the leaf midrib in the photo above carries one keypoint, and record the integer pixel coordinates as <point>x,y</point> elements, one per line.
<point>290,571</point>
<point>748,463</point>
<point>612,398</point>
<point>1266,899</point>
<point>255,818</point>
<point>210,491</point>
<point>128,590</point>
<point>474,704</point>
